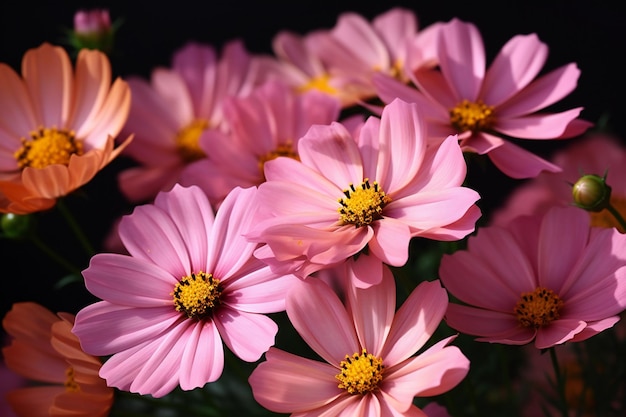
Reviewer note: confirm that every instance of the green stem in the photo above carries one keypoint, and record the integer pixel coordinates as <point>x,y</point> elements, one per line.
<point>55,256</point>
<point>560,383</point>
<point>78,232</point>
<point>616,214</point>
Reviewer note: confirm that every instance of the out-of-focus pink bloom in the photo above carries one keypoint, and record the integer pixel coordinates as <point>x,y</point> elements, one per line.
<point>485,106</point>
<point>266,124</point>
<point>370,368</point>
<point>178,109</point>
<point>57,126</point>
<point>90,22</point>
<point>548,279</point>
<point>594,154</point>
<point>377,190</point>
<point>189,283</point>
<point>44,350</point>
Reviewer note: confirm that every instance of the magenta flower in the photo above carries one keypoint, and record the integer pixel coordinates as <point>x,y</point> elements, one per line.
<point>378,189</point>
<point>369,348</point>
<point>266,124</point>
<point>189,283</point>
<point>178,109</point>
<point>487,106</point>
<point>549,279</point>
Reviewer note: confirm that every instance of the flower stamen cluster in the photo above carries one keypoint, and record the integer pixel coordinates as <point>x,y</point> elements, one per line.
<point>197,295</point>
<point>188,140</point>
<point>283,149</point>
<point>48,146</point>
<point>538,308</point>
<point>363,204</point>
<point>360,373</point>
<point>471,116</point>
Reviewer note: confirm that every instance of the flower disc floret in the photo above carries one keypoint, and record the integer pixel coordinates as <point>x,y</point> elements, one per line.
<point>362,205</point>
<point>360,373</point>
<point>538,308</point>
<point>48,146</point>
<point>197,295</point>
<point>472,116</point>
<point>188,140</point>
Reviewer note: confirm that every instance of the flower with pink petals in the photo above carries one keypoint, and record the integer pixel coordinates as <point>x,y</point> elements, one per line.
<point>486,107</point>
<point>371,368</point>
<point>57,126</point>
<point>178,109</point>
<point>378,189</point>
<point>266,124</point>
<point>548,279</point>
<point>189,283</point>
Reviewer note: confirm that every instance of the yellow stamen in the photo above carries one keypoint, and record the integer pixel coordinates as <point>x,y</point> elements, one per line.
<point>70,384</point>
<point>360,373</point>
<point>188,140</point>
<point>363,204</point>
<point>605,219</point>
<point>538,308</point>
<point>320,83</point>
<point>197,295</point>
<point>48,146</point>
<point>472,116</point>
<point>283,149</point>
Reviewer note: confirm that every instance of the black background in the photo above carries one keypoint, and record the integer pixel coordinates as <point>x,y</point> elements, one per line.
<point>590,33</point>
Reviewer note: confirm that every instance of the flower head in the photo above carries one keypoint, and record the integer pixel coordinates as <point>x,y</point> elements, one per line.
<point>545,279</point>
<point>181,107</point>
<point>486,106</point>
<point>45,350</point>
<point>369,351</point>
<point>377,189</point>
<point>57,127</point>
<point>189,282</point>
<point>93,30</point>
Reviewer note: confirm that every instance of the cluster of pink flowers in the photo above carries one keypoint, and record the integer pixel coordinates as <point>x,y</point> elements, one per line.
<point>253,194</point>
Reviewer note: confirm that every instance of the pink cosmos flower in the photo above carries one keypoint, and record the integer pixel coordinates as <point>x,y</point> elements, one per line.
<point>548,279</point>
<point>378,189</point>
<point>189,283</point>
<point>266,124</point>
<point>177,110</point>
<point>597,154</point>
<point>57,125</point>
<point>485,107</point>
<point>369,349</point>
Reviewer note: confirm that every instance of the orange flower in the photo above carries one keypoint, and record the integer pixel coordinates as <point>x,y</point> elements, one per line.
<point>57,125</point>
<point>44,349</point>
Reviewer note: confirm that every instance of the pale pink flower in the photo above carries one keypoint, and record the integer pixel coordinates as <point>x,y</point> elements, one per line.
<point>92,22</point>
<point>548,279</point>
<point>266,124</point>
<point>178,109</point>
<point>378,189</point>
<point>487,106</point>
<point>370,366</point>
<point>597,154</point>
<point>189,283</point>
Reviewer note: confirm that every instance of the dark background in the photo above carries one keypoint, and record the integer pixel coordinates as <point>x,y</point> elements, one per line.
<point>590,33</point>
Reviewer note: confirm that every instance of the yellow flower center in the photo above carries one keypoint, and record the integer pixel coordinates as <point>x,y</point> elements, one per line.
<point>538,308</point>
<point>188,140</point>
<point>605,219</point>
<point>48,146</point>
<point>320,83</point>
<point>360,373</point>
<point>197,295</point>
<point>362,205</point>
<point>471,116</point>
<point>283,149</point>
<point>70,383</point>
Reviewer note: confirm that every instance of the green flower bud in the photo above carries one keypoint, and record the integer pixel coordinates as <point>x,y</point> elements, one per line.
<point>591,193</point>
<point>15,226</point>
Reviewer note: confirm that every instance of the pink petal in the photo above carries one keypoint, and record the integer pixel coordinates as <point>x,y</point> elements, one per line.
<point>390,242</point>
<point>202,360</point>
<point>247,335</point>
<point>396,27</point>
<point>594,328</point>
<point>365,270</point>
<point>175,95</point>
<point>415,321</point>
<point>518,163</point>
<point>490,325</point>
<point>365,46</point>
<point>373,310</point>
<point>557,332</point>
<point>537,126</point>
<point>329,331</point>
<point>517,64</point>
<point>462,58</point>
<point>112,116</point>
<point>197,64</point>
<point>286,383</point>
<point>18,116</point>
